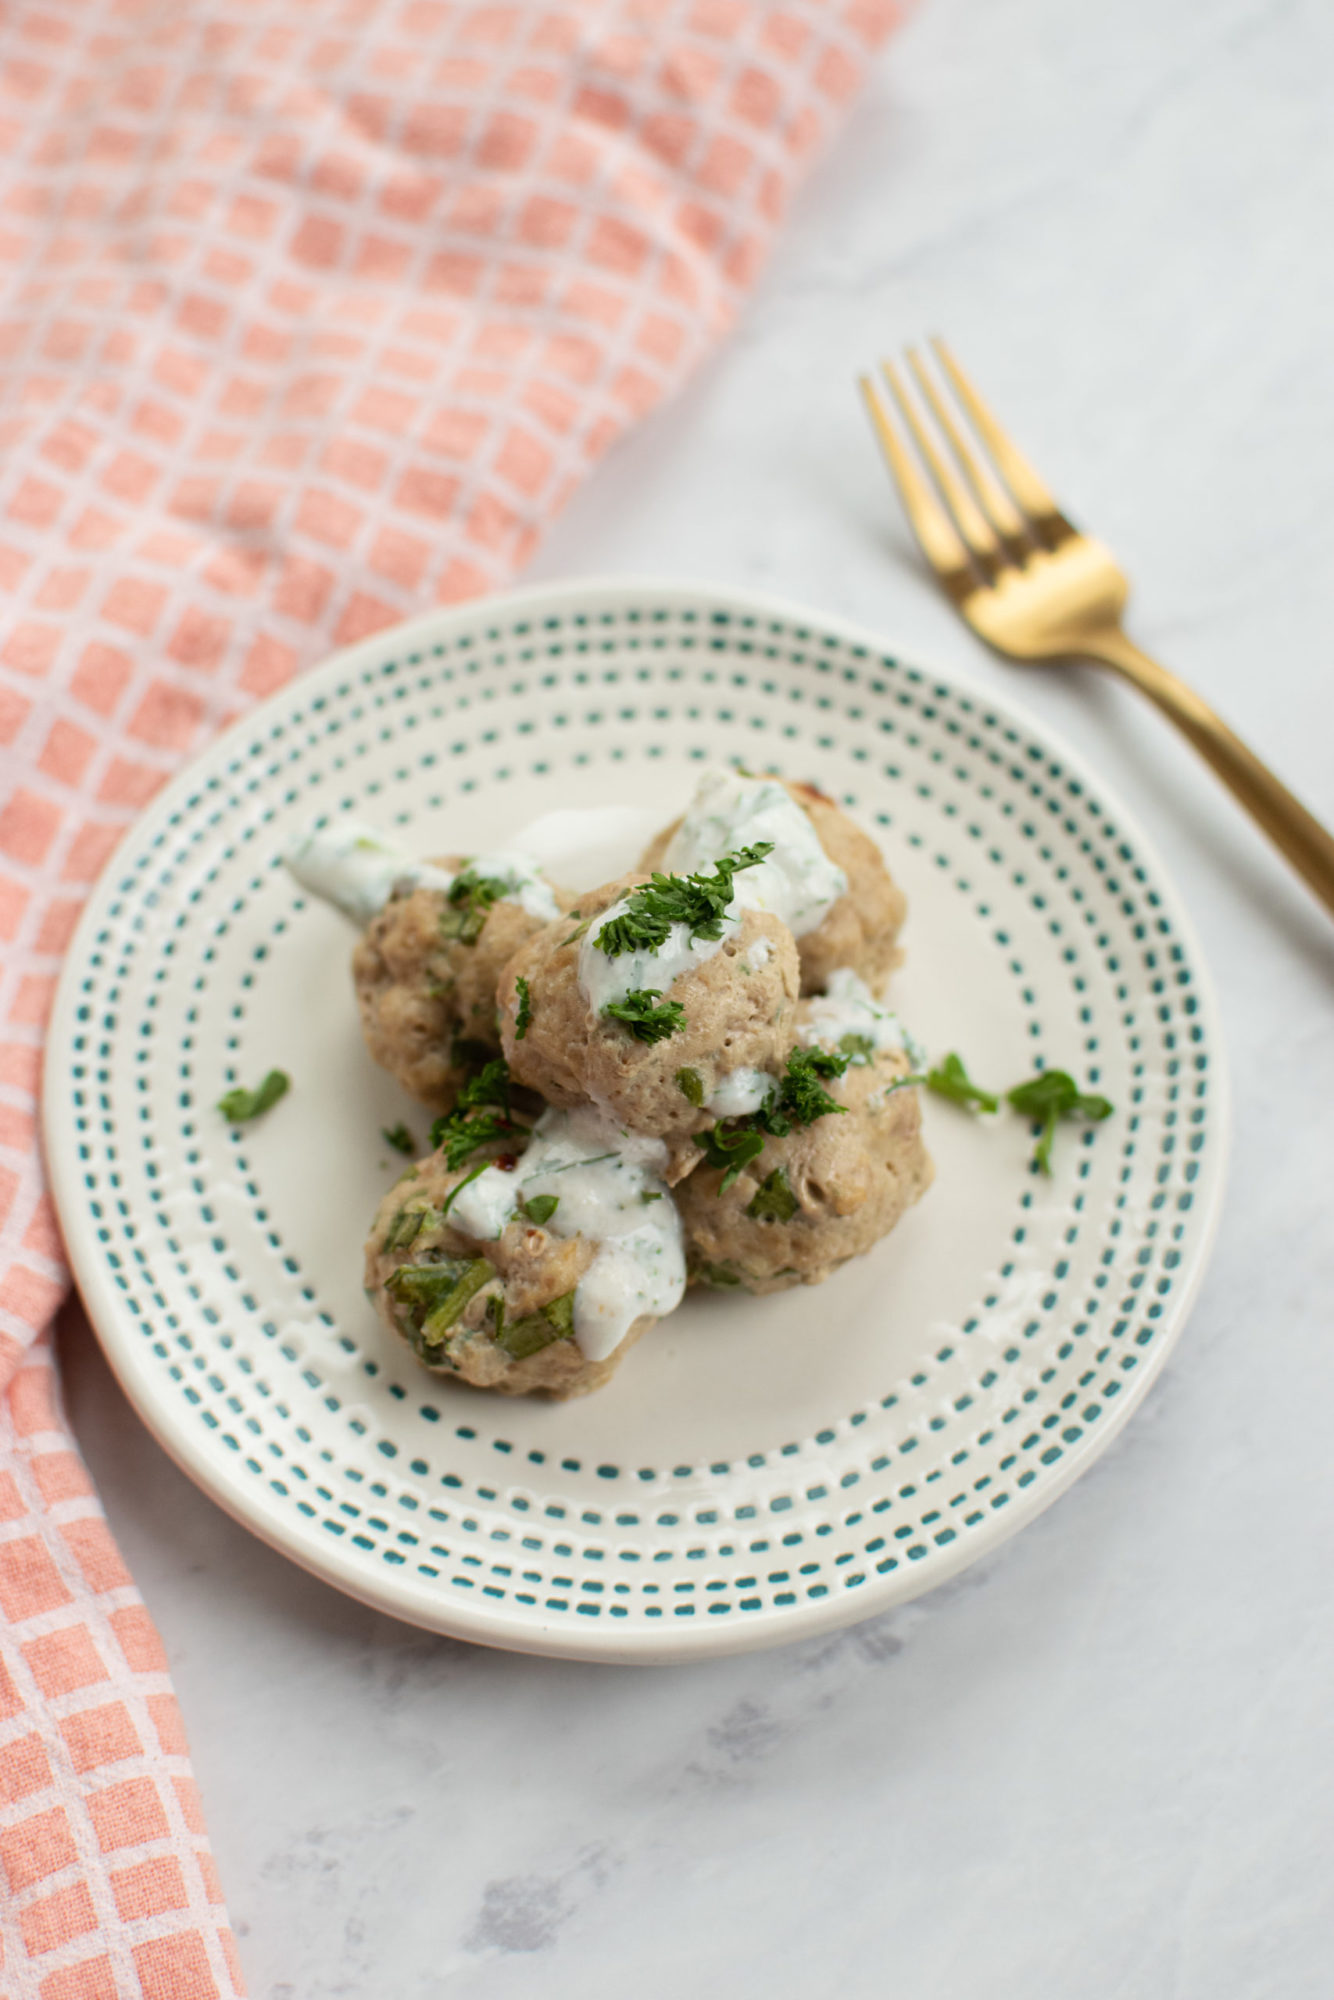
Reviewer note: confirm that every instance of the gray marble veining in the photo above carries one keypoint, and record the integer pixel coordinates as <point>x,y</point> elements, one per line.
<point>1098,1764</point>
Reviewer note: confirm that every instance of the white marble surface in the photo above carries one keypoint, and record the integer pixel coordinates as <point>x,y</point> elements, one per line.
<point>1099,1764</point>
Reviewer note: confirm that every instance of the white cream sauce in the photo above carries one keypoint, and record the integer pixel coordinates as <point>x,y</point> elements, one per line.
<point>740,1092</point>
<point>600,1176</point>
<point>357,869</point>
<point>523,878</point>
<point>848,1007</point>
<point>604,979</point>
<point>798,882</point>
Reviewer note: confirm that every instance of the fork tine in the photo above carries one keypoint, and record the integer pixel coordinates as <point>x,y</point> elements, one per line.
<point>941,545</point>
<point>1014,468</point>
<point>995,502</point>
<point>962,507</point>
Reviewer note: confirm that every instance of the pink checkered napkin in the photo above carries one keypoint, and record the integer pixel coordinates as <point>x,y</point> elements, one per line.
<point>314,312</point>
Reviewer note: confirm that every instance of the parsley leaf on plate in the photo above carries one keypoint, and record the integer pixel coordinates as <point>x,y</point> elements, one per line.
<point>238,1105</point>
<point>949,1078</point>
<point>1050,1096</point>
<point>1047,1097</point>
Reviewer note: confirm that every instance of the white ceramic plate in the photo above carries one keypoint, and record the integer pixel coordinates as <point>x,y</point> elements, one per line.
<point>759,1469</point>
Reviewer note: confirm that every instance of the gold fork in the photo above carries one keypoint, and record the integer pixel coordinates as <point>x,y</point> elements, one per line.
<point>1038,589</point>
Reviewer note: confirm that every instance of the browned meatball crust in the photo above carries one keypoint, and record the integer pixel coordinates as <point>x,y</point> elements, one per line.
<point>421,991</point>
<point>861,930</point>
<point>493,1315</point>
<point>825,1193</point>
<point>739,1010</point>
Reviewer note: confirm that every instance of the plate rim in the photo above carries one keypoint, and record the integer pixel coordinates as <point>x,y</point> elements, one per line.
<point>533,1633</point>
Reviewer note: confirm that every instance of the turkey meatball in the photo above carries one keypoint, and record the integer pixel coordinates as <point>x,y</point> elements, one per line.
<point>825,1191</point>
<point>825,878</point>
<point>426,971</point>
<point>534,1272</point>
<point>649,1037</point>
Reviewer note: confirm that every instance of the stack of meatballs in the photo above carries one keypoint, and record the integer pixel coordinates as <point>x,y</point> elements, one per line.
<point>742,1122</point>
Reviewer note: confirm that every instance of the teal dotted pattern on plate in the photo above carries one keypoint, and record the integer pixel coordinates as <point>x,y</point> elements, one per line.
<point>321,1433</point>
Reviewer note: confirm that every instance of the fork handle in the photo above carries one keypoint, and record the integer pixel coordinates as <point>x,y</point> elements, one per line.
<point>1297,833</point>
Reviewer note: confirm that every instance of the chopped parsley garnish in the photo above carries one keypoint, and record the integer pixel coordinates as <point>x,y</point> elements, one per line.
<point>646,1022</point>
<point>907,1082</point>
<point>561,1312</point>
<point>1048,1097</point>
<point>538,1208</point>
<point>731,1150</point>
<point>238,1105</point>
<point>405,1228</point>
<point>481,1115</point>
<point>691,1086</point>
<point>801,1097</point>
<point>459,1135</point>
<point>949,1078</point>
<point>646,1198</point>
<point>577,932</point>
<point>434,1295</point>
<point>468,900</point>
<point>399,1137</point>
<point>858,1049</point>
<point>442,1316</point>
<point>723,1277</point>
<point>774,1200</point>
<point>424,1284</point>
<point>491,1085</point>
<point>458,1188</point>
<point>525,1010</point>
<point>521,1337</point>
<point>697,901</point>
